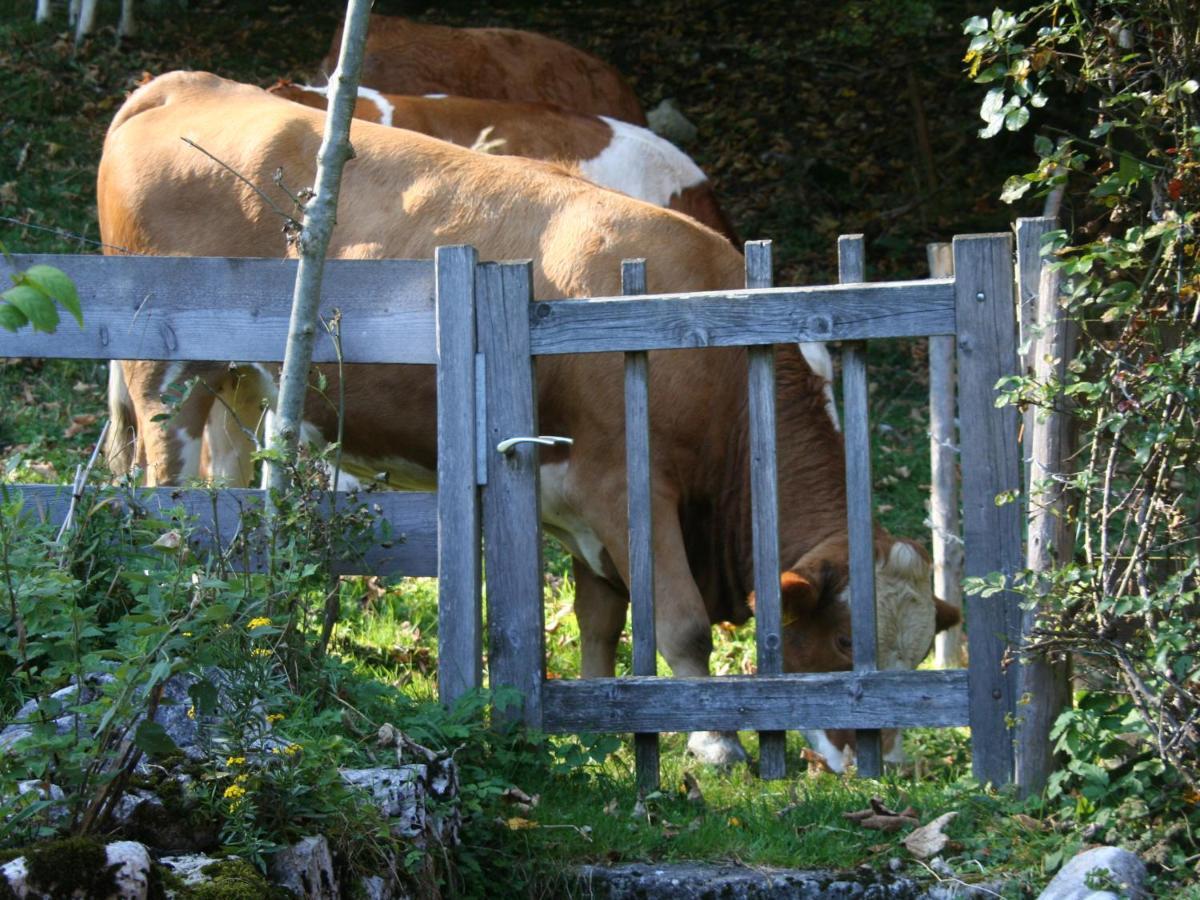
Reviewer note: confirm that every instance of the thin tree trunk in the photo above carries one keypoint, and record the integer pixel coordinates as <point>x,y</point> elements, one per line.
<point>319,218</point>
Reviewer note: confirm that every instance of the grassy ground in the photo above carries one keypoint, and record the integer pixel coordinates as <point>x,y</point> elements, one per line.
<point>807,126</point>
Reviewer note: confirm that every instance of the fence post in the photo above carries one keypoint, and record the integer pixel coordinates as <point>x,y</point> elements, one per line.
<point>860,528</point>
<point>1030,232</point>
<point>511,516</point>
<point>987,351</point>
<point>641,525</point>
<point>764,491</point>
<point>460,622</point>
<point>1045,685</point>
<point>943,456</point>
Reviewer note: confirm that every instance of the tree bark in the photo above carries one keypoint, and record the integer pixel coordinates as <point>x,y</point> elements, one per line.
<point>319,219</point>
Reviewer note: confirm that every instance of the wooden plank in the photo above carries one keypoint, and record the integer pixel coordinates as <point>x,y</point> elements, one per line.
<point>511,517</point>
<point>730,319</point>
<point>896,699</point>
<point>987,351</point>
<point>859,522</point>
<point>190,308</point>
<point>460,611</point>
<point>641,526</point>
<point>216,514</point>
<point>1029,272</point>
<point>1045,688</point>
<point>764,494</point>
<point>948,646</point>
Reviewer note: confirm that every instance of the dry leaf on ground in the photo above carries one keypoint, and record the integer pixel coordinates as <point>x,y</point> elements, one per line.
<point>691,787</point>
<point>928,839</point>
<point>879,817</point>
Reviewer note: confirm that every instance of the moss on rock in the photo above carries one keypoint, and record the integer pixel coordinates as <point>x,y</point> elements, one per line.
<point>78,864</point>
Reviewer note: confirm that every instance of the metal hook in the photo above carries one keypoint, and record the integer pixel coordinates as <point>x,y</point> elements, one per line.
<point>547,440</point>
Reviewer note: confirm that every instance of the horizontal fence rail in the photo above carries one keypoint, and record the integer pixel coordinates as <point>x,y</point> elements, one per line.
<point>195,308</point>
<point>744,317</point>
<point>927,699</point>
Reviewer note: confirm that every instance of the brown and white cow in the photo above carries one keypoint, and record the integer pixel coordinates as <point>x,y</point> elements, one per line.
<point>406,57</point>
<point>403,195</point>
<point>605,151</point>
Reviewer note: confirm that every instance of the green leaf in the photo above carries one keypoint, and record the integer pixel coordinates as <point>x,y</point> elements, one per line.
<point>1015,188</point>
<point>11,318</point>
<point>1017,118</point>
<point>152,738</point>
<point>975,25</point>
<point>36,306</point>
<point>56,284</point>
<point>204,697</point>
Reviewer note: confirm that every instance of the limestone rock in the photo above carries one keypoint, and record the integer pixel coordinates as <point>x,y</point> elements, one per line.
<point>306,869</point>
<point>1126,874</point>
<point>403,793</point>
<point>128,861</point>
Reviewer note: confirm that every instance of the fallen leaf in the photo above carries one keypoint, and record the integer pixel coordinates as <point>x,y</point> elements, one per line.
<point>83,387</point>
<point>45,469</point>
<point>639,810</point>
<point>928,840</point>
<point>79,424</point>
<point>170,540</point>
<point>610,808</point>
<point>880,818</point>
<point>1029,823</point>
<point>691,787</point>
<point>516,823</point>
<point>520,800</point>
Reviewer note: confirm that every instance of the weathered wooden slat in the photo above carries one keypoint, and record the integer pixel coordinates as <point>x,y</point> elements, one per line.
<point>739,318</point>
<point>860,528</point>
<point>764,496</point>
<point>460,619</point>
<point>411,548</point>
<point>512,522</point>
<point>641,525</point>
<point>183,308</point>
<point>987,351</point>
<point>1051,538</point>
<point>943,453</point>
<point>760,702</point>
<point>1030,232</point>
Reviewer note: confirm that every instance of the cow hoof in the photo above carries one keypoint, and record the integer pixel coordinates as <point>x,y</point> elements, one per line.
<point>716,748</point>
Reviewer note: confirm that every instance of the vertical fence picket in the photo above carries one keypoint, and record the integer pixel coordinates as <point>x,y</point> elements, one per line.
<point>943,457</point>
<point>1030,232</point>
<point>641,524</point>
<point>987,352</point>
<point>460,622</point>
<point>512,520</point>
<point>764,492</point>
<point>860,530</point>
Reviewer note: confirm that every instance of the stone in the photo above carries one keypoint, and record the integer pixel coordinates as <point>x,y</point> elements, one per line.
<point>667,121</point>
<point>402,793</point>
<point>1125,876</point>
<point>306,869</point>
<point>128,861</point>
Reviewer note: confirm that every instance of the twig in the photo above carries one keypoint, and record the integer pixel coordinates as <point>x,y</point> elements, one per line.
<point>81,477</point>
<point>290,220</point>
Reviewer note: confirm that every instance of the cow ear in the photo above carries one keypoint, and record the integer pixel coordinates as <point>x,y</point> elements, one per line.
<point>798,595</point>
<point>946,614</point>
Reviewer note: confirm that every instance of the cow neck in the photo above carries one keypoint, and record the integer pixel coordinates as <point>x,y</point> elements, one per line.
<point>810,470</point>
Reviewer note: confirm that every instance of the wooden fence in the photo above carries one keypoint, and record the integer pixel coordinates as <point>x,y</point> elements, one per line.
<point>476,322</point>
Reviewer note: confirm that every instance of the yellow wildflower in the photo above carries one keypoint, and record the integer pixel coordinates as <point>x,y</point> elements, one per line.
<point>235,761</point>
<point>234,792</point>
<point>272,718</point>
<point>191,712</point>
<point>258,623</point>
<point>260,651</point>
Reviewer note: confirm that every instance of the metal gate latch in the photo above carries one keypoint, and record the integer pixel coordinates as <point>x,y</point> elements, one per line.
<point>547,440</point>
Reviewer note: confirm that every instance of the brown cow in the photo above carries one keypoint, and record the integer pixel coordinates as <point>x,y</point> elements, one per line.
<point>405,57</point>
<point>605,151</point>
<point>404,194</point>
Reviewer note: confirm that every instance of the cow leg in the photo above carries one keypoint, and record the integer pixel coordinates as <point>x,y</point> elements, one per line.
<point>171,445</point>
<point>234,423</point>
<point>600,610</point>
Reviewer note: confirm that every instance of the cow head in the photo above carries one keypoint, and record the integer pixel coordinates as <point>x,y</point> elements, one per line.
<point>815,605</point>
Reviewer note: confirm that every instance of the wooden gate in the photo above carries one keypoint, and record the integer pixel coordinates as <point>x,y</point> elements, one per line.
<point>976,306</point>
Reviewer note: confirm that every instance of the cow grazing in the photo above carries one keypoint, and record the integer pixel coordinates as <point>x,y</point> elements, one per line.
<point>405,57</point>
<point>603,150</point>
<point>403,195</point>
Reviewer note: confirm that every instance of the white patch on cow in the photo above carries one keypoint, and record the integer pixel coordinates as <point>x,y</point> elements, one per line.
<point>716,748</point>
<point>639,163</point>
<point>904,609</point>
<point>386,110</point>
<point>823,745</point>
<point>895,754</point>
<point>174,370</point>
<point>563,521</point>
<point>818,359</point>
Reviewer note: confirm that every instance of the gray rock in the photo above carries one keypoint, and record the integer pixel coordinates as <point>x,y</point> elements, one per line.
<point>403,794</point>
<point>667,121</point>
<point>306,869</point>
<point>1125,874</point>
<point>132,873</point>
<point>689,881</point>
<point>189,867</point>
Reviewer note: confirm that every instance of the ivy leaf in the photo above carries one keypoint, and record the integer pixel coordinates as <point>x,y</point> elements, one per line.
<point>1015,188</point>
<point>55,283</point>
<point>975,25</point>
<point>36,307</point>
<point>1016,119</point>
